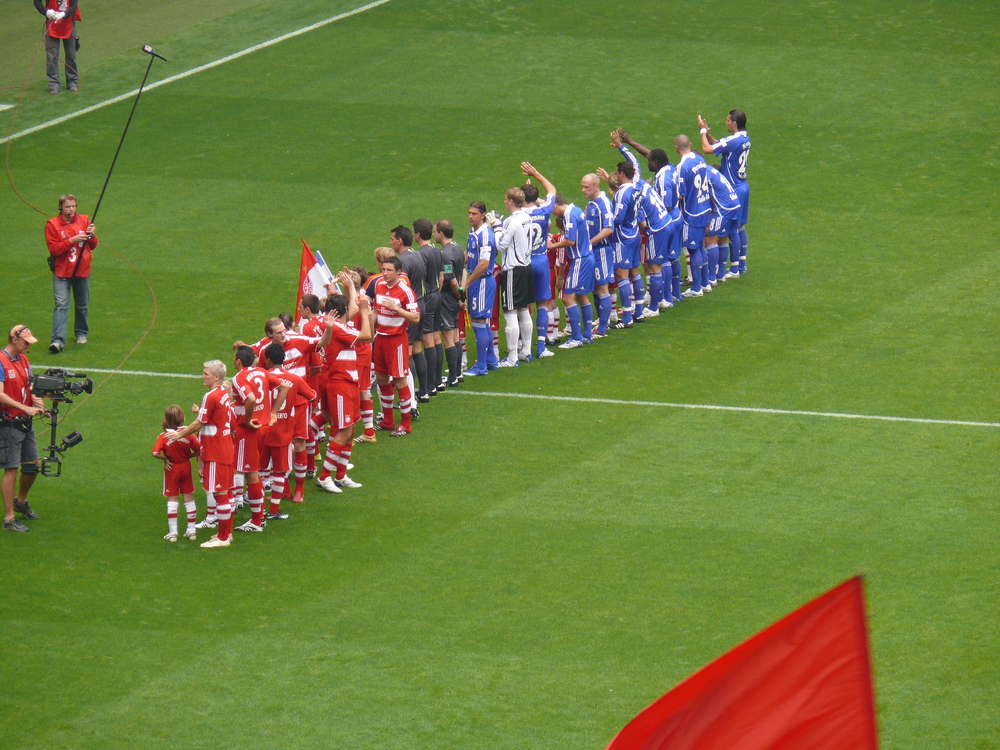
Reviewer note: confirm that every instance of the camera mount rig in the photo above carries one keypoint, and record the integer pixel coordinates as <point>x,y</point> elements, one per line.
<point>57,385</point>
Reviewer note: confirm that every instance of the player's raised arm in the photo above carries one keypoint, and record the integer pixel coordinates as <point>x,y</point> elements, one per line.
<point>530,171</point>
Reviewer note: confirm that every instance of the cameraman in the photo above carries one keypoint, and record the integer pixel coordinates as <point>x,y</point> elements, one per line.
<point>17,439</point>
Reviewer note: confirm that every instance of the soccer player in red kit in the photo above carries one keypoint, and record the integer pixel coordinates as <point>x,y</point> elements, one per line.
<point>343,390</point>
<point>257,394</point>
<point>395,306</point>
<point>279,438</point>
<point>177,478</point>
<point>214,428</point>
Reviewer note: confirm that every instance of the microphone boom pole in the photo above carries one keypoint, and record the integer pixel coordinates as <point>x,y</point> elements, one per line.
<point>149,51</point>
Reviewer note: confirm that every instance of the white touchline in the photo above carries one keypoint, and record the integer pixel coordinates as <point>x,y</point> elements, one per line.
<point>660,404</point>
<point>199,69</point>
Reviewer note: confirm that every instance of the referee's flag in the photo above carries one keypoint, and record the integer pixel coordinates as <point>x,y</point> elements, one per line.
<point>804,683</point>
<point>314,275</point>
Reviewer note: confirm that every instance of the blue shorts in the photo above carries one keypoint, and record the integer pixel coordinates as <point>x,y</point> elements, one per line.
<point>604,265</point>
<point>579,276</point>
<point>743,191</point>
<point>627,253</point>
<point>659,246</point>
<point>481,296</point>
<point>693,238</point>
<point>674,240</point>
<point>720,227</point>
<point>540,273</point>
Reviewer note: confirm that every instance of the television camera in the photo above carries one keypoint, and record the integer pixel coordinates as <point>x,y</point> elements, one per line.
<point>58,385</point>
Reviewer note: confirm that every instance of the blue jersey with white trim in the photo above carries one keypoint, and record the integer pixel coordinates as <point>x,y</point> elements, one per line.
<point>481,246</point>
<point>733,151</point>
<point>538,230</point>
<point>665,185</point>
<point>577,231</point>
<point>692,187</point>
<point>626,212</point>
<point>725,201</point>
<point>653,212</point>
<point>598,213</point>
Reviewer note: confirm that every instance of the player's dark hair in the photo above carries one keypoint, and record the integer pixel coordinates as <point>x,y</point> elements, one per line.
<point>478,205</point>
<point>530,192</point>
<point>274,354</point>
<point>311,303</point>
<point>445,227</point>
<point>739,117</point>
<point>337,303</point>
<point>560,200</point>
<point>287,320</point>
<point>423,228</point>
<point>394,262</point>
<point>173,417</point>
<point>659,157</point>
<point>626,168</point>
<point>245,355</point>
<point>404,234</point>
<point>363,274</point>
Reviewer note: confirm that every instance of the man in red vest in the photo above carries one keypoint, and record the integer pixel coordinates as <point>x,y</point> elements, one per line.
<point>60,28</point>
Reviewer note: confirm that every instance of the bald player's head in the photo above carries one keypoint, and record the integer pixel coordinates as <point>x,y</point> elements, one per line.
<point>682,144</point>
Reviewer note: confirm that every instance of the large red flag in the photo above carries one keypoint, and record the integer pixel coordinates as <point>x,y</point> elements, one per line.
<point>804,683</point>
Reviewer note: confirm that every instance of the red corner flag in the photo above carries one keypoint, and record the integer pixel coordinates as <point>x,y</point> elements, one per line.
<point>804,683</point>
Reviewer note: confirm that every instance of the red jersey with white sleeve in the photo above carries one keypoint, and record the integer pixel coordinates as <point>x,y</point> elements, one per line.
<point>262,385</point>
<point>177,480</point>
<point>216,432</point>
<point>69,261</point>
<point>282,432</point>
<point>179,450</point>
<point>341,353</point>
<point>298,349</point>
<point>15,373</point>
<point>388,321</point>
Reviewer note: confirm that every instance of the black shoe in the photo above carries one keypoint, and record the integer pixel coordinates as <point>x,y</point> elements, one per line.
<point>275,516</point>
<point>14,525</point>
<point>25,510</point>
<point>453,383</point>
<point>414,413</point>
<point>423,398</point>
<point>621,324</point>
<point>55,347</point>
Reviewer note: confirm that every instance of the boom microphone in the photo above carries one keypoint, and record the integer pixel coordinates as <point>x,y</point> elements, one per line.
<point>149,51</point>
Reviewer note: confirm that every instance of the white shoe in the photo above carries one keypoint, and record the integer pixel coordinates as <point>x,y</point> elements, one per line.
<point>508,363</point>
<point>81,340</point>
<point>571,344</point>
<point>328,485</point>
<point>216,542</point>
<point>649,312</point>
<point>707,288</point>
<point>646,300</point>
<point>347,483</point>
<point>170,537</point>
<point>208,523</point>
<point>190,534</point>
<point>664,305</point>
<point>614,317</point>
<point>523,357</point>
<point>690,293</point>
<point>249,526</point>
<point>547,353</point>
<point>731,275</point>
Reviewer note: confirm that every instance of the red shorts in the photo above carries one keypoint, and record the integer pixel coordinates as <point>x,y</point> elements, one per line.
<point>392,355</point>
<point>248,446</point>
<point>277,456</point>
<point>178,481</point>
<point>344,399</point>
<point>301,421</point>
<point>217,478</point>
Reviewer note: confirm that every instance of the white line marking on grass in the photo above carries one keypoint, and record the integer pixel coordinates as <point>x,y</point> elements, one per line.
<point>86,370</point>
<point>199,69</point>
<point>5,106</point>
<point>713,407</point>
<point>660,404</point>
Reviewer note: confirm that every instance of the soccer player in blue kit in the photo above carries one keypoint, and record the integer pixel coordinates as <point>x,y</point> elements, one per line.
<point>625,219</point>
<point>579,281</point>
<point>733,150</point>
<point>725,215</point>
<point>665,186</point>
<point>660,226</point>
<point>696,208</point>
<point>538,237</point>
<point>599,225</point>
<point>481,257</point>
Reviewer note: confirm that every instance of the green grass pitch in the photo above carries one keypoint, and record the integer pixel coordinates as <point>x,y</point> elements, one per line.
<point>519,572</point>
